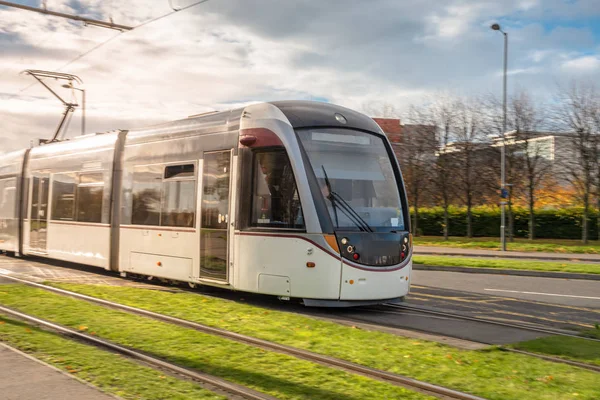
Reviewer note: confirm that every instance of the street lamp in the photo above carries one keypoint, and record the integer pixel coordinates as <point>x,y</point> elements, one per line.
<point>497,27</point>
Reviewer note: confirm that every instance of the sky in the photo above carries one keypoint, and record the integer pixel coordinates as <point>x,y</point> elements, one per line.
<point>224,54</point>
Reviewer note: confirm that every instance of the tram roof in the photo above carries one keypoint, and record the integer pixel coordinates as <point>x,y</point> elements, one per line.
<point>301,114</point>
<point>309,114</point>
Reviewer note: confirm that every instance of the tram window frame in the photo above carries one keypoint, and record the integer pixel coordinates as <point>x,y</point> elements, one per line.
<point>75,182</point>
<point>169,175</point>
<point>6,211</point>
<point>178,175</point>
<point>89,211</point>
<point>253,220</point>
<point>71,183</point>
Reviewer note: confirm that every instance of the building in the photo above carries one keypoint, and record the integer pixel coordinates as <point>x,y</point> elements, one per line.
<point>409,138</point>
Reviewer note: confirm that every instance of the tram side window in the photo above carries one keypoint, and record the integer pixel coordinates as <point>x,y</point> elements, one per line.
<point>146,193</point>
<point>179,196</point>
<point>8,190</point>
<point>164,196</point>
<point>63,197</point>
<point>90,192</point>
<point>275,200</point>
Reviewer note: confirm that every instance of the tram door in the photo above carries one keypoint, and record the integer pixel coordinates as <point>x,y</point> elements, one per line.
<point>39,212</point>
<point>214,234</point>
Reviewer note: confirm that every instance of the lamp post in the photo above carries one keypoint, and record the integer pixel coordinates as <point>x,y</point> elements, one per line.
<point>497,27</point>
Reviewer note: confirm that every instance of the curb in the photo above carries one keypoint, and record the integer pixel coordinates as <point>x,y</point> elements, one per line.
<point>496,271</point>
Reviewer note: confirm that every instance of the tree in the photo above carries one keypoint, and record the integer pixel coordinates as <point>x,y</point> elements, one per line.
<point>578,113</point>
<point>526,150</point>
<point>442,114</point>
<point>525,119</point>
<point>417,153</point>
<point>470,156</point>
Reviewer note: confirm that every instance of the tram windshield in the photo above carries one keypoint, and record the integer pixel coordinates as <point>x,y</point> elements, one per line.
<point>355,174</point>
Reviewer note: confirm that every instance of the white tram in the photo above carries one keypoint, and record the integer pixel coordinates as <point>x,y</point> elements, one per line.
<point>294,199</point>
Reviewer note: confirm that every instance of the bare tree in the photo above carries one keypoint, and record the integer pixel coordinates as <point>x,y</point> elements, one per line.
<point>533,149</point>
<point>596,159</point>
<point>578,112</point>
<point>418,152</point>
<point>442,114</point>
<point>494,127</point>
<point>527,150</point>
<point>470,136</point>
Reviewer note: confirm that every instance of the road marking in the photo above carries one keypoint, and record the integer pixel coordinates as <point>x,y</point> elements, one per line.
<point>543,294</point>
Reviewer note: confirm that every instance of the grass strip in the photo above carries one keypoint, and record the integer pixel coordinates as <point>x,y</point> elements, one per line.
<point>492,373</point>
<point>487,243</point>
<point>569,348</point>
<point>107,371</point>
<point>282,376</point>
<point>478,262</point>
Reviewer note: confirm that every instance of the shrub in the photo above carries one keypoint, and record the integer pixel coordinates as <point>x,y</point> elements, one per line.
<point>562,223</point>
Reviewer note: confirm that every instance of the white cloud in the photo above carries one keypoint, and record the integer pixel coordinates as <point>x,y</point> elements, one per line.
<point>227,53</point>
<point>539,55</point>
<point>582,64</point>
<point>521,71</point>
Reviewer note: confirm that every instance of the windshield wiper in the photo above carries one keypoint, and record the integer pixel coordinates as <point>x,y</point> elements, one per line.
<point>330,197</point>
<point>344,207</point>
<point>358,220</point>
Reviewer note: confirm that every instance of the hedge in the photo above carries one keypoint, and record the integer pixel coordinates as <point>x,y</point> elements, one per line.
<point>549,223</point>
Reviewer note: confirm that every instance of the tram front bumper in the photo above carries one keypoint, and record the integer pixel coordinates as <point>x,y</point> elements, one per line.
<point>371,284</point>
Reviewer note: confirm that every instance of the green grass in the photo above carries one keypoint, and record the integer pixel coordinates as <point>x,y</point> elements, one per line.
<point>565,347</point>
<point>107,371</point>
<point>282,376</point>
<point>487,243</point>
<point>593,333</point>
<point>491,373</point>
<point>479,262</point>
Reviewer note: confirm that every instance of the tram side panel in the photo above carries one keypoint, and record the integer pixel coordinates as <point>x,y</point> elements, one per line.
<point>162,204</point>
<point>298,265</point>
<point>10,188</point>
<point>68,207</point>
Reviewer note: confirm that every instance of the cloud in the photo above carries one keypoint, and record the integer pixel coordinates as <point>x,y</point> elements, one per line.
<point>584,63</point>
<point>227,53</point>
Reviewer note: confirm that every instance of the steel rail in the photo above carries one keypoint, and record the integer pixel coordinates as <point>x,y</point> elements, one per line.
<point>199,376</point>
<point>398,380</point>
<point>583,365</point>
<point>488,321</point>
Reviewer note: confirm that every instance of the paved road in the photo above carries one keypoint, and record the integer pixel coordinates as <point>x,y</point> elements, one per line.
<point>22,378</point>
<point>542,305</point>
<point>453,251</point>
<point>570,292</point>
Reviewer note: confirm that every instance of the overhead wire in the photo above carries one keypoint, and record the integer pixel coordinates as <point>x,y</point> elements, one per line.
<point>99,45</point>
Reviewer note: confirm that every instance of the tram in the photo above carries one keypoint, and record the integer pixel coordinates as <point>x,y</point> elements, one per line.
<point>294,199</point>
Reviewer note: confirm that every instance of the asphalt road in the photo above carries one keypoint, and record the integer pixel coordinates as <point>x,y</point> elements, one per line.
<point>569,292</point>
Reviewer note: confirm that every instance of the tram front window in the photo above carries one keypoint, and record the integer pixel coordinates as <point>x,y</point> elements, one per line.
<point>275,202</point>
<point>356,177</point>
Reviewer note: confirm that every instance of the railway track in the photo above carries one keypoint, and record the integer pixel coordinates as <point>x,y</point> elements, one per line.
<point>443,313</point>
<point>395,379</point>
<point>206,379</point>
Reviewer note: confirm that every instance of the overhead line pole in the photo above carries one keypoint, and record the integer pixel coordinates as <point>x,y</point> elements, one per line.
<point>89,21</point>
